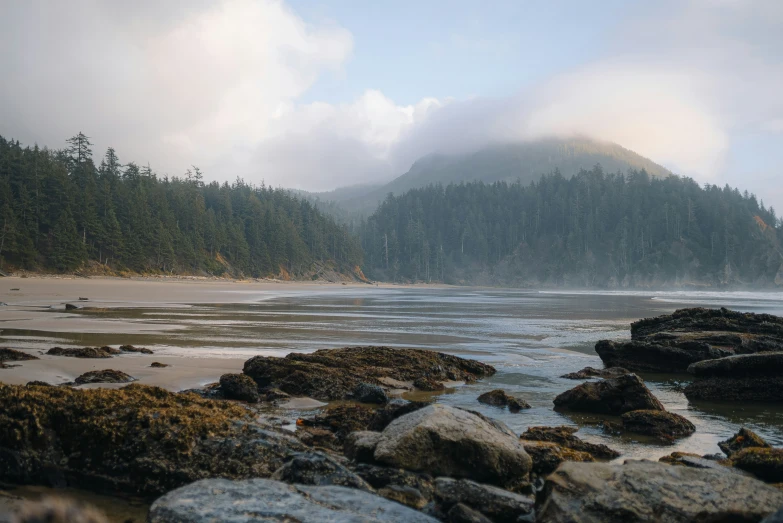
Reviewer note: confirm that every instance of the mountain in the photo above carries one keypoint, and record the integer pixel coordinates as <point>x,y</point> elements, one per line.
<point>524,162</point>
<point>591,230</point>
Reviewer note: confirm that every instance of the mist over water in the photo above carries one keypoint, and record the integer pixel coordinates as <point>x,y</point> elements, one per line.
<point>531,337</point>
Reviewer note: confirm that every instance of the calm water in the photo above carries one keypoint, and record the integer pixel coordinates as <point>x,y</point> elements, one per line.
<point>530,337</point>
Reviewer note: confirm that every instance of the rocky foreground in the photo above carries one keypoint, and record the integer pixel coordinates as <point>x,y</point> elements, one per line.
<point>211,455</point>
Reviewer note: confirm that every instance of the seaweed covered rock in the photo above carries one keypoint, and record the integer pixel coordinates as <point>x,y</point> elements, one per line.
<point>699,319</point>
<point>499,398</point>
<point>447,441</point>
<point>315,468</point>
<point>104,376</point>
<point>332,374</point>
<point>651,491</point>
<point>137,439</point>
<point>254,500</point>
<point>764,463</point>
<point>84,352</point>
<point>239,387</point>
<point>369,393</point>
<point>590,372</point>
<point>428,384</point>
<point>743,439</point>
<point>666,426</point>
<point>746,377</point>
<point>159,365</point>
<point>138,350</point>
<point>7,354</point>
<point>564,437</point>
<point>547,456</point>
<point>649,356</point>
<point>612,396</point>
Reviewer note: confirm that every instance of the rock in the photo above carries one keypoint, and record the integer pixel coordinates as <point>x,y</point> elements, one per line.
<point>764,463</point>
<point>158,365</point>
<point>393,410</point>
<point>318,438</point>
<point>368,393</point>
<point>104,376</point>
<point>332,374</point>
<point>612,396</point>
<point>408,496</point>
<point>590,372</point>
<point>7,354</point>
<point>395,478</point>
<point>428,384</point>
<point>70,307</point>
<point>460,513</point>
<point>211,391</point>
<point>675,458</point>
<point>666,426</point>
<point>360,446</point>
<point>84,352</point>
<point>710,320</point>
<point>131,348</point>
<point>764,389</point>
<point>650,491</point>
<point>57,510</point>
<point>743,439</point>
<point>83,299</point>
<point>777,517</point>
<point>646,356</point>
<point>548,456</point>
<point>36,383</point>
<point>452,442</point>
<point>500,505</point>
<point>314,468</point>
<point>274,395</point>
<point>564,436</point>
<point>254,500</point>
<point>239,387</point>
<point>741,366</point>
<point>135,440</point>
<point>499,398</point>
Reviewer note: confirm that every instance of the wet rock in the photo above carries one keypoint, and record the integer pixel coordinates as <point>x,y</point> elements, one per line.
<point>646,356</point>
<point>84,352</point>
<point>675,458</point>
<point>548,456</point>
<point>135,440</point>
<point>612,396</point>
<point>764,389</point>
<point>590,372</point>
<point>709,320</point>
<point>564,436</point>
<point>57,510</point>
<point>428,384</point>
<point>331,374</point>
<point>314,468</point>
<point>393,410</point>
<point>158,365</point>
<point>452,442</point>
<point>70,307</point>
<point>408,496</point>
<point>36,383</point>
<point>139,350</point>
<point>666,426</point>
<point>368,393</point>
<point>270,394</point>
<point>239,387</point>
<point>743,439</point>
<point>498,504</point>
<point>499,398</point>
<point>7,354</point>
<point>211,391</point>
<point>460,513</point>
<point>104,376</point>
<point>81,298</point>
<point>253,500</point>
<point>389,477</point>
<point>318,438</point>
<point>741,366</point>
<point>342,419</point>
<point>764,463</point>
<point>360,446</point>
<point>650,491</point>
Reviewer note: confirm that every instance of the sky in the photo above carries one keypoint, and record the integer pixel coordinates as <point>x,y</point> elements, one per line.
<point>316,94</point>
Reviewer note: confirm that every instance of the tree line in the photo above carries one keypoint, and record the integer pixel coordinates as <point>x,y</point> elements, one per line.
<point>592,230</point>
<point>60,211</point>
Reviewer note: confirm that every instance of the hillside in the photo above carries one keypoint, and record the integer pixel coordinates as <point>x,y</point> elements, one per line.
<point>524,162</point>
<point>61,212</point>
<point>592,230</point>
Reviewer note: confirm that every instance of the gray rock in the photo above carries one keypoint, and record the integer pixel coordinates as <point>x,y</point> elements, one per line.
<point>360,446</point>
<point>460,513</point>
<point>253,500</point>
<point>368,393</point>
<point>446,441</point>
<point>640,491</point>
<point>777,517</point>
<point>500,505</point>
<point>314,468</point>
<point>383,477</point>
<point>612,396</point>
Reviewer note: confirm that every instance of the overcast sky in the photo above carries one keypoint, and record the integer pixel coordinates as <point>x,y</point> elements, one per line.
<point>315,94</point>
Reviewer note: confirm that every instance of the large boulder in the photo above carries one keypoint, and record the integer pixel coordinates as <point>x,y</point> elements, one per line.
<point>447,441</point>
<point>564,437</point>
<point>746,377</point>
<point>136,439</point>
<point>764,463</point>
<point>253,500</point>
<point>612,396</point>
<point>239,387</point>
<point>665,426</point>
<point>332,374</point>
<point>647,356</point>
<point>743,439</point>
<point>719,321</point>
<point>640,491</point>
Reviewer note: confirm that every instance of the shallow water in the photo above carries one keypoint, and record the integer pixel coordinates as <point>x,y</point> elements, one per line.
<point>530,337</point>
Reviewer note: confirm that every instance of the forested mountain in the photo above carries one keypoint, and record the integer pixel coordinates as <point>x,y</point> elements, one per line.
<point>590,230</point>
<point>522,161</point>
<point>60,211</point>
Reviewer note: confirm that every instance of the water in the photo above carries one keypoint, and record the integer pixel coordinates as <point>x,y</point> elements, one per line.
<point>531,337</point>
